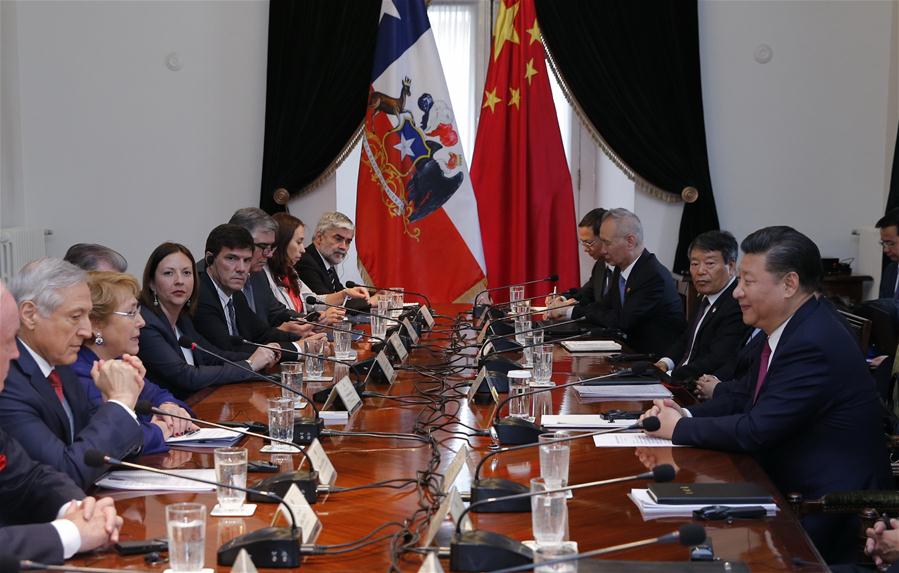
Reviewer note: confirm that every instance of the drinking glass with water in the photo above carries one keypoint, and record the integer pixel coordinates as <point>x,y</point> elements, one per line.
<point>231,468</point>
<point>532,341</point>
<point>543,364</point>
<point>562,550</point>
<point>292,377</point>
<point>186,527</point>
<point>519,383</point>
<point>315,350</point>
<point>280,421</point>
<point>343,340</point>
<point>554,458</point>
<point>549,513</point>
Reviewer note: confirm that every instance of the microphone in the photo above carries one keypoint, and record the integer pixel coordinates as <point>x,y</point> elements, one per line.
<point>503,488</point>
<point>688,535</point>
<point>485,550</point>
<point>520,431</point>
<point>268,547</point>
<point>329,327</point>
<point>312,300</point>
<point>9,564</point>
<point>351,284</point>
<point>307,482</point>
<point>305,429</point>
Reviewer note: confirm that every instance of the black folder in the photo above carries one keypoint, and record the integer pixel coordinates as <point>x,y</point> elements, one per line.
<point>672,493</point>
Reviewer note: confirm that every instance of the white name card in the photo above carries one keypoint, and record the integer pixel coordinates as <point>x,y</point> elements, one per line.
<point>307,521</point>
<point>321,462</point>
<point>397,344</point>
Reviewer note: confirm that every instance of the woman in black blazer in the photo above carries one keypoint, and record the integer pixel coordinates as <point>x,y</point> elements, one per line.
<point>168,299</point>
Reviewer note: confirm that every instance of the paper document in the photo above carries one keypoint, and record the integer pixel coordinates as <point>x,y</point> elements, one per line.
<point>649,509</point>
<point>591,346</point>
<point>142,480</point>
<point>628,440</point>
<point>591,421</point>
<point>207,438</point>
<point>624,391</point>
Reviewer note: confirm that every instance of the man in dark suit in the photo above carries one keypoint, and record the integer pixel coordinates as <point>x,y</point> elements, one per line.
<point>716,330</point>
<point>641,300</point>
<point>223,311</point>
<point>593,291</point>
<point>808,410</point>
<point>45,407</point>
<point>318,265</point>
<point>44,516</point>
<point>889,241</point>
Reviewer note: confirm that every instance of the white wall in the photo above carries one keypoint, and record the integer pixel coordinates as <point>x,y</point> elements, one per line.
<point>115,147</point>
<point>800,140</point>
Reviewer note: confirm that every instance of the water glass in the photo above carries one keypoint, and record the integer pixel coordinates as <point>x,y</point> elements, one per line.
<point>292,377</point>
<point>519,383</point>
<point>186,527</point>
<point>231,468</point>
<point>343,340</point>
<point>380,323</point>
<point>543,363</point>
<point>562,550</point>
<point>315,363</point>
<point>532,340</point>
<point>280,421</point>
<point>516,293</point>
<point>396,301</point>
<point>522,324</point>
<point>549,513</point>
<point>554,458</point>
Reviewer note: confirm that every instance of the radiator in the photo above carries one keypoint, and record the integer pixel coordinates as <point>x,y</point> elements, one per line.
<point>19,245</point>
<point>870,257</point>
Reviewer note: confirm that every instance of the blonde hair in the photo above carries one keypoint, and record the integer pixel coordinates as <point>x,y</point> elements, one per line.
<point>107,290</point>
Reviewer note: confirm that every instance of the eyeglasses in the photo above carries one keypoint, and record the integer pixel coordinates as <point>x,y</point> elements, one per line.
<point>589,244</point>
<point>887,244</point>
<point>132,314</point>
<point>266,247</point>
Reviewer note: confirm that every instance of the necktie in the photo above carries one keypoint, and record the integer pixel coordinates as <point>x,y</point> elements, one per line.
<point>763,371</point>
<point>335,280</point>
<point>248,292</point>
<point>232,317</point>
<point>621,282</point>
<point>604,285</point>
<point>56,382</point>
<point>703,307</point>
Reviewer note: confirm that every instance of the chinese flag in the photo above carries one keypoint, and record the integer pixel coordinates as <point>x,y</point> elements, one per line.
<point>519,171</point>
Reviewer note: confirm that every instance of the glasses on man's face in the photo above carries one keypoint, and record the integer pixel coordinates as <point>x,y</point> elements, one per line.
<point>132,314</point>
<point>589,244</point>
<point>266,248</point>
<point>887,244</point>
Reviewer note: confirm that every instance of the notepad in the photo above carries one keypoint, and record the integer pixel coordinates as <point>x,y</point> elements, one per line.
<point>207,438</point>
<point>143,480</point>
<point>624,392</point>
<point>631,440</point>
<point>649,509</point>
<point>591,346</point>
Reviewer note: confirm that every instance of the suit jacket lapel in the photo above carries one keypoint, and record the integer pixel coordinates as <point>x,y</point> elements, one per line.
<point>42,386</point>
<point>713,309</point>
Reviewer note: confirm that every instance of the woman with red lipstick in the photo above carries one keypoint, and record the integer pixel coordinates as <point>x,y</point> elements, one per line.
<point>168,300</point>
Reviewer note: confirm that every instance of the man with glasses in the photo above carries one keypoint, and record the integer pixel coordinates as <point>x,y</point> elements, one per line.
<point>330,244</point>
<point>594,290</point>
<point>641,300</point>
<point>889,240</point>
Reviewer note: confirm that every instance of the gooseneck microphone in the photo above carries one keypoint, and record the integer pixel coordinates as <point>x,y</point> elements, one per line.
<point>333,328</point>
<point>312,300</point>
<point>351,284</point>
<point>520,431</point>
<point>688,535</point>
<point>9,564</point>
<point>504,489</point>
<point>305,429</point>
<point>478,550</point>
<point>268,547</point>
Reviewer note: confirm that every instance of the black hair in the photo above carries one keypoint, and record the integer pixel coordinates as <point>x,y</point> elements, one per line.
<point>720,241</point>
<point>593,219</point>
<point>890,219</point>
<point>228,236</point>
<point>787,250</point>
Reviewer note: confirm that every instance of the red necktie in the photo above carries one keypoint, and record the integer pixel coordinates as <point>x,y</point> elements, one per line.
<point>763,371</point>
<point>56,382</point>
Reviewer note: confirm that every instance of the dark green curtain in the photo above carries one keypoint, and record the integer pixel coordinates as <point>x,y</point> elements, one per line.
<point>319,70</point>
<point>633,66</point>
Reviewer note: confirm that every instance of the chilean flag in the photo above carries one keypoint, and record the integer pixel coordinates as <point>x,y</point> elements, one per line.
<point>416,214</point>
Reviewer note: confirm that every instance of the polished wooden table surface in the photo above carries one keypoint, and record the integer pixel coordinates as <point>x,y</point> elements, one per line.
<point>598,517</point>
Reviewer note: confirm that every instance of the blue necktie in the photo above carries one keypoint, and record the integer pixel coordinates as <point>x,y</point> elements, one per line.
<point>232,326</point>
<point>621,282</point>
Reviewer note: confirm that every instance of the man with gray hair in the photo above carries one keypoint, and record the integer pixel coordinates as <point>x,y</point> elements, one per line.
<point>44,516</point>
<point>642,300</point>
<point>93,257</point>
<point>330,243</point>
<point>44,406</point>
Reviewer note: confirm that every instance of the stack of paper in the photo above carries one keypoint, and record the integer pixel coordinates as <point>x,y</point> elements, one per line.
<point>142,480</point>
<point>586,421</point>
<point>591,346</point>
<point>631,440</point>
<point>623,392</point>
<point>207,438</point>
<point>649,509</point>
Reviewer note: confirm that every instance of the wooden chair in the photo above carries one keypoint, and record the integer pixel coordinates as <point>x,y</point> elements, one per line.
<point>861,326</point>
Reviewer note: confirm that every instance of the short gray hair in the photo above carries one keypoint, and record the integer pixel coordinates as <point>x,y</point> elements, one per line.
<point>254,219</point>
<point>627,223</point>
<point>334,220</point>
<point>88,256</point>
<point>41,280</point>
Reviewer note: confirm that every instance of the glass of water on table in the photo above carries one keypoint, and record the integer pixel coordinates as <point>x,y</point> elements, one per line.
<point>186,528</point>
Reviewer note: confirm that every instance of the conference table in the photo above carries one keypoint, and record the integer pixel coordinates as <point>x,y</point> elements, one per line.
<point>598,517</point>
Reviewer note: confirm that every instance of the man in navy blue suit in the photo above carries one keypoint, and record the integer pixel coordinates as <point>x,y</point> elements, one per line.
<point>808,410</point>
<point>889,241</point>
<point>45,407</point>
<point>44,516</point>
